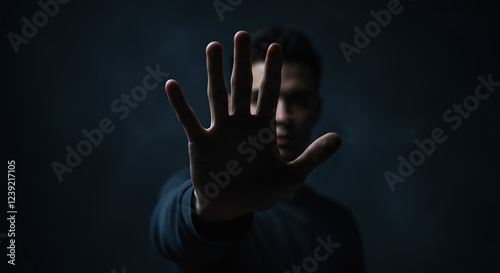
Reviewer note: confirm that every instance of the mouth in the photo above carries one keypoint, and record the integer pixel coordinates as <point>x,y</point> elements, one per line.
<point>283,140</point>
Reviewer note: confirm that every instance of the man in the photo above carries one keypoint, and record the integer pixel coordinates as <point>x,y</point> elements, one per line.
<point>242,206</point>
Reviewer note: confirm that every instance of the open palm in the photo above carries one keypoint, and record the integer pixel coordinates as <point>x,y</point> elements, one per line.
<point>235,165</point>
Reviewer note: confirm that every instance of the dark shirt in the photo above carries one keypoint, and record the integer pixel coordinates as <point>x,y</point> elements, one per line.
<point>303,233</point>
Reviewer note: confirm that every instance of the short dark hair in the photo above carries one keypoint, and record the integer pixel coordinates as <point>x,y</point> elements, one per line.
<point>295,45</point>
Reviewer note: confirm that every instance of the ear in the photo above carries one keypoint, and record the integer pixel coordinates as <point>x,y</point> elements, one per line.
<point>229,105</point>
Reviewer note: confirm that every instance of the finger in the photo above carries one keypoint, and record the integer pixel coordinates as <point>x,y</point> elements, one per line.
<point>241,77</point>
<point>184,112</point>
<point>271,83</point>
<point>317,153</point>
<point>216,91</point>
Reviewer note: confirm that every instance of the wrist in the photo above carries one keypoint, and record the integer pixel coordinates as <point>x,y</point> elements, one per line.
<point>210,213</point>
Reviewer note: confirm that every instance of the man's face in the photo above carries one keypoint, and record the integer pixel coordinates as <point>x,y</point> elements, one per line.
<point>298,109</point>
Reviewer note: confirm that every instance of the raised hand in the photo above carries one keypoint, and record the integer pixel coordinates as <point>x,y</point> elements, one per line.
<point>236,167</point>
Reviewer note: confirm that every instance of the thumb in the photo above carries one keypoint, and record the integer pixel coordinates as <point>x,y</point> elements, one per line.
<point>317,153</point>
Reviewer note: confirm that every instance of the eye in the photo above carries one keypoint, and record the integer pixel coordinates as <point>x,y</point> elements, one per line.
<point>300,101</point>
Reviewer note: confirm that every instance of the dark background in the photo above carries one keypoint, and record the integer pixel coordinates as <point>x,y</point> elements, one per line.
<point>443,218</point>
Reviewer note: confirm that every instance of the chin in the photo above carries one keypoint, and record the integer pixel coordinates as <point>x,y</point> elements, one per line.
<point>288,155</point>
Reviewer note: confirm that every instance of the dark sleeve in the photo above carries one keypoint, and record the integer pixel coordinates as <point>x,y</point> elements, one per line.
<point>182,237</point>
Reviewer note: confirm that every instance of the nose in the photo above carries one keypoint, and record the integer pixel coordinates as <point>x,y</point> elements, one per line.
<point>282,114</point>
